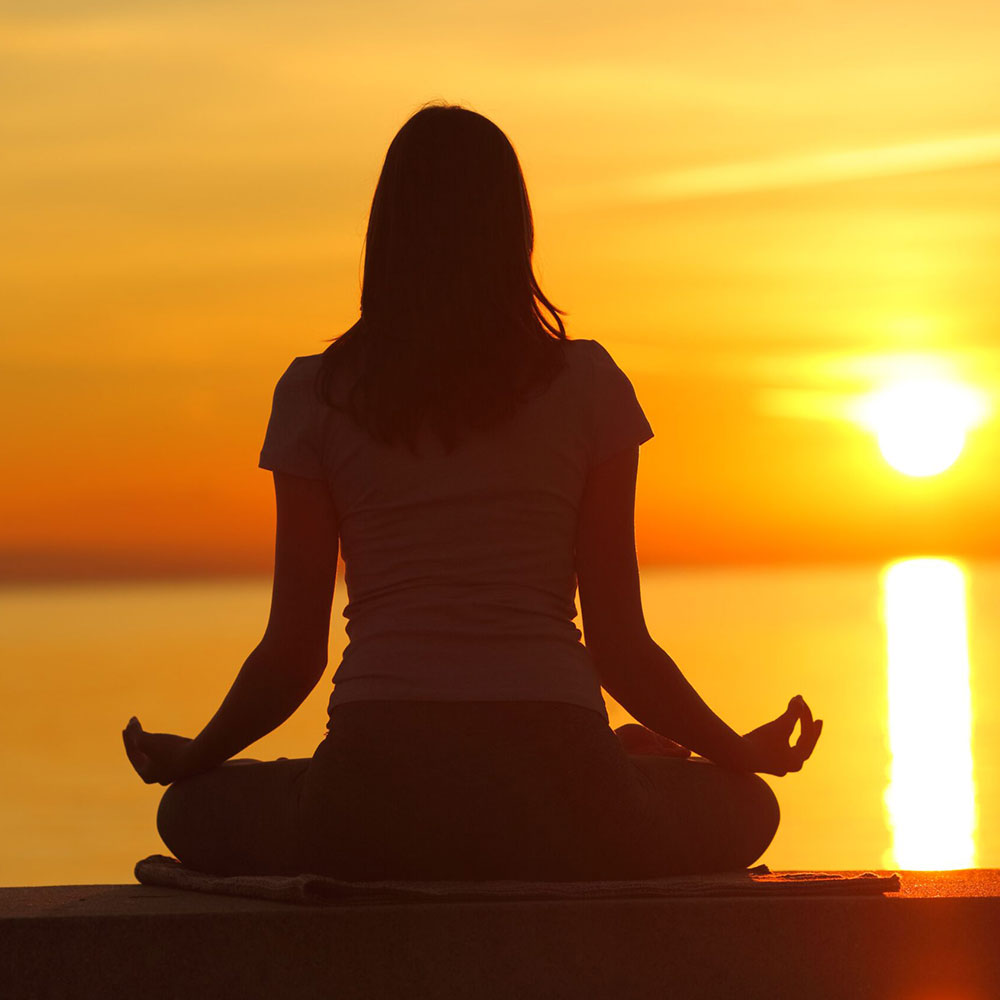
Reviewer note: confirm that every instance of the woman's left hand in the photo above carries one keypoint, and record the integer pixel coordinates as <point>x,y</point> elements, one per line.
<point>159,758</point>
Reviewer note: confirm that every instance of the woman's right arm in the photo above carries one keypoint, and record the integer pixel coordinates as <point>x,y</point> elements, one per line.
<point>633,669</point>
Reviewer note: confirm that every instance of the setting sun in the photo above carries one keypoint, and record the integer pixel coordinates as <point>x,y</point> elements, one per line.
<point>921,423</point>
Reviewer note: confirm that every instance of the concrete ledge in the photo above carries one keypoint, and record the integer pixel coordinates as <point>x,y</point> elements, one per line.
<point>939,937</point>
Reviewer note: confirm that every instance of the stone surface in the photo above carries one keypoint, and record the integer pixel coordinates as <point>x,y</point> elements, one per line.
<point>937,938</point>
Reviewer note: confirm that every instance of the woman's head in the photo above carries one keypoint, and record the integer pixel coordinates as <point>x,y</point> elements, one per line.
<point>453,325</point>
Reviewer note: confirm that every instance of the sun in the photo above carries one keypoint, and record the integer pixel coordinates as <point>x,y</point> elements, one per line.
<point>921,423</point>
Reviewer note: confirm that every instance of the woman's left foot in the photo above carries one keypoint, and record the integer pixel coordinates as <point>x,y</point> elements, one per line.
<point>641,741</point>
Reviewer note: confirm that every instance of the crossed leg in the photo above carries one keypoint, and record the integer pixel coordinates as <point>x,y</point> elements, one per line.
<point>238,819</point>
<point>705,817</point>
<point>245,817</point>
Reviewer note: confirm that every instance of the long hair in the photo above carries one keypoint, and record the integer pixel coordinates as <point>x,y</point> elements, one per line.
<point>453,329</point>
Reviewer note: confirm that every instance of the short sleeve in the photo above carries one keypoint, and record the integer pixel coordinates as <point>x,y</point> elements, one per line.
<point>293,441</point>
<point>618,422</point>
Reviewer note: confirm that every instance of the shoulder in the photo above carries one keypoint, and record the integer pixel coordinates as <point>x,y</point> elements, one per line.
<point>297,382</point>
<point>581,354</point>
<point>301,369</point>
<point>592,360</point>
<point>587,351</point>
<point>295,397</point>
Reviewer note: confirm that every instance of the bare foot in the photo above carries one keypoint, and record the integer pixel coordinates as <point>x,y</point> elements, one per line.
<point>639,740</point>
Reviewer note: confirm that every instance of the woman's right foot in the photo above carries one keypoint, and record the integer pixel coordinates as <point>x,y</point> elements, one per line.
<point>641,741</point>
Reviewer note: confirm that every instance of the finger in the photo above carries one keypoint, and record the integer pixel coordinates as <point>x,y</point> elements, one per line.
<point>807,743</point>
<point>139,742</point>
<point>131,750</point>
<point>786,721</point>
<point>806,723</point>
<point>139,760</point>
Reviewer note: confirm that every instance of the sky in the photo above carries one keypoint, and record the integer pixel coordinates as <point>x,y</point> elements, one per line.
<point>765,211</point>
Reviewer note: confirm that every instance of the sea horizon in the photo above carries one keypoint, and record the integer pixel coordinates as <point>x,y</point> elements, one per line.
<point>748,639</point>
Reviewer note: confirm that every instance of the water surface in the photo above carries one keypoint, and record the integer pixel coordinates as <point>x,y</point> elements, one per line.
<point>79,659</point>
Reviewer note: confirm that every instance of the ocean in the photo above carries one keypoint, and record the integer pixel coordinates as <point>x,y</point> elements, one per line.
<point>899,662</point>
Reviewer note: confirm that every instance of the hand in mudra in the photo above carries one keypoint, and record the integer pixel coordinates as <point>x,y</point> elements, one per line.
<point>159,758</point>
<point>639,740</point>
<point>770,751</point>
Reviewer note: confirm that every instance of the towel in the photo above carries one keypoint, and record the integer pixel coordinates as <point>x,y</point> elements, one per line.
<point>159,869</point>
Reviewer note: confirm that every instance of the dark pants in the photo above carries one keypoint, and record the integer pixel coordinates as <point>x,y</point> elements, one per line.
<point>468,790</point>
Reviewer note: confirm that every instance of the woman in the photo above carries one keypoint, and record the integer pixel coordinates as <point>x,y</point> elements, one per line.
<point>474,465</point>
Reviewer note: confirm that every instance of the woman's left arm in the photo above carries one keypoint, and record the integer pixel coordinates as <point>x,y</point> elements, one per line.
<point>289,660</point>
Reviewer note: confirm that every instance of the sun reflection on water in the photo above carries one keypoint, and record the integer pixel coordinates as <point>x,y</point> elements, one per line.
<point>931,796</point>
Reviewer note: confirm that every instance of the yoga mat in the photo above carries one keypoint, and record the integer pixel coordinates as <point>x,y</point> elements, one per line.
<point>160,869</point>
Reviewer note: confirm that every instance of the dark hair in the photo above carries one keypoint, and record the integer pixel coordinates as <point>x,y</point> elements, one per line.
<point>452,328</point>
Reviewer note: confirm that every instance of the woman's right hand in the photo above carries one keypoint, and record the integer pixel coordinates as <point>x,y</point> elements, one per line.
<point>768,746</point>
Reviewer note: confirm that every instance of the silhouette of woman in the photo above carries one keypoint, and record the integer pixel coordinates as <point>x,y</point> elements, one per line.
<point>473,465</point>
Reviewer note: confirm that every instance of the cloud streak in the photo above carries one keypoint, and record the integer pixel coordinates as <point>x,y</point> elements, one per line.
<point>810,169</point>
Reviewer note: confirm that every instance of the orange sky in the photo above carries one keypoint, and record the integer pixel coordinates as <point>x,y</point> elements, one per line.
<point>763,210</point>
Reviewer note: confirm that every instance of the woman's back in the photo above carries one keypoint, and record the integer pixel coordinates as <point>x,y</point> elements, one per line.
<point>460,565</point>
<point>468,736</point>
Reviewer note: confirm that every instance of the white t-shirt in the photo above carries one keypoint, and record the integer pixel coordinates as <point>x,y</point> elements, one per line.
<point>460,568</point>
